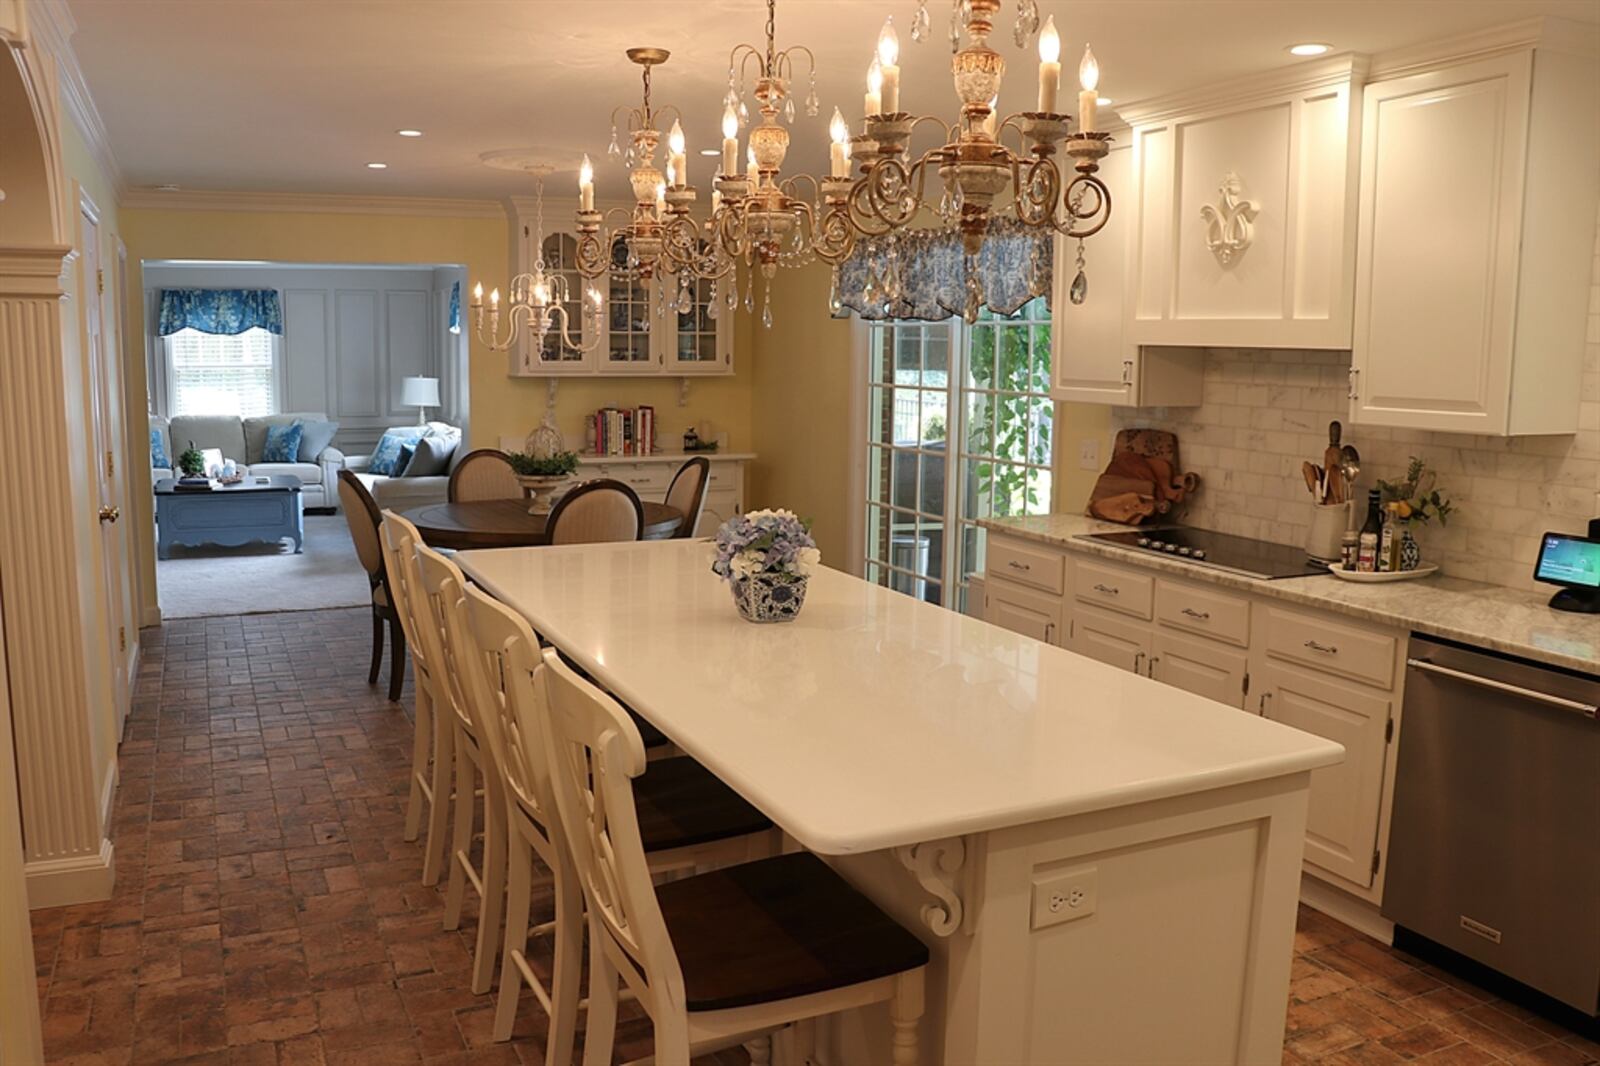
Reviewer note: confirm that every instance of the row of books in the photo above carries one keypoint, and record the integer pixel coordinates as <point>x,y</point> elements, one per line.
<point>625,431</point>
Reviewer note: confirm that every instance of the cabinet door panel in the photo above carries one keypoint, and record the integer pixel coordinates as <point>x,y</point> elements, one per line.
<point>1110,640</point>
<point>1199,666</point>
<point>1033,614</point>
<point>1436,265</point>
<point>1342,823</point>
<point>1091,359</point>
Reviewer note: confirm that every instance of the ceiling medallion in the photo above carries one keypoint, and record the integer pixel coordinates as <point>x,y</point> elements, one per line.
<point>973,167</point>
<point>538,300</point>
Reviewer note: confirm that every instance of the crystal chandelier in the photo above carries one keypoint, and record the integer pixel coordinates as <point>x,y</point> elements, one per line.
<point>538,299</point>
<point>973,167</point>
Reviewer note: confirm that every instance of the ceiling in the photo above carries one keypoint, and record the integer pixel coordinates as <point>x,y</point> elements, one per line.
<point>299,95</point>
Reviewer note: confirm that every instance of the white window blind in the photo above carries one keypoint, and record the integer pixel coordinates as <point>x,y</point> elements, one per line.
<point>221,375</point>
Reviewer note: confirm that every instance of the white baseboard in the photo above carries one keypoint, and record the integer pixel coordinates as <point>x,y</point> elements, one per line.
<point>64,882</point>
<point>1358,914</point>
<point>150,616</point>
<point>108,793</point>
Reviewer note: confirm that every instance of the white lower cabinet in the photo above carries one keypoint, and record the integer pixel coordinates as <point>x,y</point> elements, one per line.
<point>1326,675</point>
<point>1117,641</point>
<point>1199,666</point>
<point>1342,822</point>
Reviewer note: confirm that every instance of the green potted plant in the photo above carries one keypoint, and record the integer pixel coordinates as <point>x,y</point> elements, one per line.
<point>540,475</point>
<point>191,463</point>
<point>1414,498</point>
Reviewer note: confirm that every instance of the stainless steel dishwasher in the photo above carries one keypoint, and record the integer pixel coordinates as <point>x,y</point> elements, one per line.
<point>1495,841</point>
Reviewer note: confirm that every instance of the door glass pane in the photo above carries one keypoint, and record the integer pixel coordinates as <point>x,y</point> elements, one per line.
<point>560,258</point>
<point>627,312</point>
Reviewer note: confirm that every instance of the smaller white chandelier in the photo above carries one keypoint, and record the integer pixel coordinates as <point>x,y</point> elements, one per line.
<point>538,300</point>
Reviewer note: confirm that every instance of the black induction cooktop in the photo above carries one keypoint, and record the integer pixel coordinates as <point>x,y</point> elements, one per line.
<point>1221,551</point>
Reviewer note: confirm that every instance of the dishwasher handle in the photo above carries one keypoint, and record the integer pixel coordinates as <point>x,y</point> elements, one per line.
<point>1588,710</point>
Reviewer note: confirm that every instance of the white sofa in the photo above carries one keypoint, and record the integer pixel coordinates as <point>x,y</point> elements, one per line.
<point>401,493</point>
<point>242,440</point>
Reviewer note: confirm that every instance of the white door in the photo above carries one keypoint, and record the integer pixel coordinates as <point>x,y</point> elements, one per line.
<point>1441,194</point>
<point>1199,666</point>
<point>1111,640</point>
<point>105,394</point>
<point>1033,614</point>
<point>1342,822</point>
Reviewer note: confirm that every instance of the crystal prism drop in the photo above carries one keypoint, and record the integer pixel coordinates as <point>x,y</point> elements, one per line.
<point>813,102</point>
<point>627,160</point>
<point>714,304</point>
<point>744,114</point>
<point>614,149</point>
<point>835,301</point>
<point>733,294</point>
<point>766,312</point>
<point>921,23</point>
<point>788,110</point>
<point>750,295</point>
<point>1079,291</point>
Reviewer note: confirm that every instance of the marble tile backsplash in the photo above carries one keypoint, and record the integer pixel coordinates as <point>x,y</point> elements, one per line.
<point>1265,412</point>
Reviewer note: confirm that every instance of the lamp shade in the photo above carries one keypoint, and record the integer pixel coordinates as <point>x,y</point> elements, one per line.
<point>420,392</point>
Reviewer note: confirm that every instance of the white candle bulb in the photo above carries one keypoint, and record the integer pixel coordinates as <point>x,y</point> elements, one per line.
<point>661,199</point>
<point>477,293</point>
<point>586,185</point>
<point>889,61</point>
<point>873,104</point>
<point>675,137</point>
<point>730,142</point>
<point>672,173</point>
<point>494,299</point>
<point>751,167</point>
<point>837,154</point>
<point>1049,65</point>
<point>1088,99</point>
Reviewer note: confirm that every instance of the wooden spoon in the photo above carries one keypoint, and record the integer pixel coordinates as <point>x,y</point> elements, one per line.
<point>1313,475</point>
<point>1334,491</point>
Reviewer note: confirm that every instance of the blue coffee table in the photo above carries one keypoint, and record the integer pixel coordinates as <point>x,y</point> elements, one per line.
<point>256,509</point>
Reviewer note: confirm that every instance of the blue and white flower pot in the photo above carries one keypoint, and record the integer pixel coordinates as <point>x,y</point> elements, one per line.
<point>769,598</point>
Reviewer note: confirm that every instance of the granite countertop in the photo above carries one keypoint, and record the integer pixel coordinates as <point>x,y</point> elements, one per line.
<point>1515,621</point>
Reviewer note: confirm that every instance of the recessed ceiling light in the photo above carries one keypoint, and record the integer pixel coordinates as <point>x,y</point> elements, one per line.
<point>409,133</point>
<point>710,151</point>
<point>377,166</point>
<point>1310,48</point>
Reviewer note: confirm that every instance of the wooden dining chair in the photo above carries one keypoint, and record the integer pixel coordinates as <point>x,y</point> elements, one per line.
<point>484,474</point>
<point>716,958</point>
<point>687,494</point>
<point>361,514</point>
<point>596,512</point>
<point>689,819</point>
<point>431,733</point>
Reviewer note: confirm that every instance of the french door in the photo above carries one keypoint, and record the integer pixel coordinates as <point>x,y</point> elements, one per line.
<point>959,427</point>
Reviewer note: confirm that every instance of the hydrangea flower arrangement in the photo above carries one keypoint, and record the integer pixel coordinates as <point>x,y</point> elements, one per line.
<point>774,544</point>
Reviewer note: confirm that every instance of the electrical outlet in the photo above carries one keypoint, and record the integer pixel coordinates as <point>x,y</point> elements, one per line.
<point>1065,896</point>
<point>1089,454</point>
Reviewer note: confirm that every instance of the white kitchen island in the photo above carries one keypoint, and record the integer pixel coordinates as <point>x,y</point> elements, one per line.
<point>1105,868</point>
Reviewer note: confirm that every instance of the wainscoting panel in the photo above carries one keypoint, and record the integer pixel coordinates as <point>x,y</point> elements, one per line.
<point>356,342</point>
<point>307,369</point>
<point>410,354</point>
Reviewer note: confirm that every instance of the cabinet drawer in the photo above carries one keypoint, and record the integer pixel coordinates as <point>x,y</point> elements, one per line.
<point>1200,610</point>
<point>1019,561</point>
<point>1113,588</point>
<point>1022,610</point>
<point>1330,647</point>
<point>1110,639</point>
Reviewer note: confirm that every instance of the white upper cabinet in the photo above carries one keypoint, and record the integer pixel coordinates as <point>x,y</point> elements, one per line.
<point>1478,189</point>
<point>1092,358</point>
<point>1242,205</point>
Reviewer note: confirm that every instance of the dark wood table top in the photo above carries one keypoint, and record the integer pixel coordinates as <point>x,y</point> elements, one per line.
<point>507,524</point>
<point>252,483</point>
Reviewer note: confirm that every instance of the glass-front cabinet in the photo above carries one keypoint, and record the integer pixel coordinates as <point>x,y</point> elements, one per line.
<point>643,330</point>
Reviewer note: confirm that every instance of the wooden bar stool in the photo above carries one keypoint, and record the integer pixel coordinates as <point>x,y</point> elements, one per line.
<point>431,733</point>
<point>688,818</point>
<point>718,958</point>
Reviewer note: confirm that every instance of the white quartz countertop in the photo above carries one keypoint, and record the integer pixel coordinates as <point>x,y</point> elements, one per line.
<point>876,720</point>
<point>1514,621</point>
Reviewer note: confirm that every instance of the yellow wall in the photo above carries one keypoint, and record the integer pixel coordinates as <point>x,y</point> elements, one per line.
<point>1075,422</point>
<point>500,405</point>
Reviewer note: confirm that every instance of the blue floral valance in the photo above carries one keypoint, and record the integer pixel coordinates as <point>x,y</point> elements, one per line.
<point>1014,266</point>
<point>220,311</point>
<point>455,308</point>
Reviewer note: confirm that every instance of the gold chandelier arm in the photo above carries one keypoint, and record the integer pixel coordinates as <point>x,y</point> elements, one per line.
<point>1036,190</point>
<point>785,61</point>
<point>1093,214</point>
<point>791,187</point>
<point>566,337</point>
<point>739,60</point>
<point>635,116</point>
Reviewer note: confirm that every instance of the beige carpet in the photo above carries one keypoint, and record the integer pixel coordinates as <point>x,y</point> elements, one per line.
<point>261,578</point>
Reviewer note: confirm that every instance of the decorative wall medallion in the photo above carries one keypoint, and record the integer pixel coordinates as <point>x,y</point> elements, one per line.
<point>935,863</point>
<point>1228,226</point>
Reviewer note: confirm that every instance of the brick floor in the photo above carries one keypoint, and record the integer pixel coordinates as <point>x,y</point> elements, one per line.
<point>267,910</point>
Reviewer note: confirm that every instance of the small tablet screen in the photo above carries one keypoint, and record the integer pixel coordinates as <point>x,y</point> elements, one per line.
<point>1568,560</point>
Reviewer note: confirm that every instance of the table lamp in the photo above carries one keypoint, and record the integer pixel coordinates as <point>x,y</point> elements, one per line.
<point>421,393</point>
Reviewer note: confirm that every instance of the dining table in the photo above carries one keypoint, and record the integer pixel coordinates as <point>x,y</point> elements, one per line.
<point>1104,868</point>
<point>507,524</point>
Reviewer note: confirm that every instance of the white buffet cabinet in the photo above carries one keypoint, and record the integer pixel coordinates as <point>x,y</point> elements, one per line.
<point>1324,674</point>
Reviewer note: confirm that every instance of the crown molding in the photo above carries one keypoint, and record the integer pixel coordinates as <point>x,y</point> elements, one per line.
<point>1346,68</point>
<point>1539,32</point>
<point>308,203</point>
<point>53,26</point>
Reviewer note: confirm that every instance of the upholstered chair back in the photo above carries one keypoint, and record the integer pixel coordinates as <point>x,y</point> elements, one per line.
<point>362,515</point>
<point>484,474</point>
<point>596,512</point>
<point>687,493</point>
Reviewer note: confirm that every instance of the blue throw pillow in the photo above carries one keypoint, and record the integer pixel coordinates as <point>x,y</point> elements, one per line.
<point>386,456</point>
<point>158,451</point>
<point>314,439</point>
<point>283,444</point>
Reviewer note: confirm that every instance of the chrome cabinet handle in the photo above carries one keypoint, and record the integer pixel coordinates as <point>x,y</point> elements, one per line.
<point>1198,615</point>
<point>1326,649</point>
<point>1150,671</point>
<point>1109,590</point>
<point>1138,657</point>
<point>1262,706</point>
<point>1588,710</point>
<point>1018,566</point>
<point>1355,390</point>
<point>1127,371</point>
<point>1049,630</point>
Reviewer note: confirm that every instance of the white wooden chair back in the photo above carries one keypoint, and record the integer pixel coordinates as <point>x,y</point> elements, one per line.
<point>498,667</point>
<point>438,579</point>
<point>595,752</point>
<point>398,539</point>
